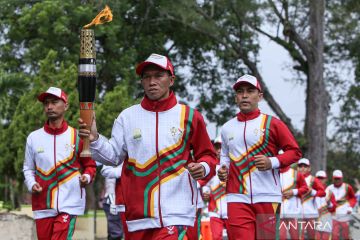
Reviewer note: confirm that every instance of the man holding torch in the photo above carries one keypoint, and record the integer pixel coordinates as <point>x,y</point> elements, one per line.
<point>165,149</point>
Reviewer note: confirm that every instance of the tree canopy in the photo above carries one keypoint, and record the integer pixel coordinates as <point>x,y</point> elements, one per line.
<point>211,44</point>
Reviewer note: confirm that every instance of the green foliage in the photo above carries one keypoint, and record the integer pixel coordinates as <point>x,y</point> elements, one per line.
<point>114,102</point>
<point>347,162</point>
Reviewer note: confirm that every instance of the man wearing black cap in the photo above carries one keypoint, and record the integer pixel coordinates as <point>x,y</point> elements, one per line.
<point>250,164</point>
<point>165,149</point>
<point>54,171</point>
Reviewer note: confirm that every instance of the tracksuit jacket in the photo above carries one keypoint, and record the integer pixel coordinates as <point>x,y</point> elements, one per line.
<point>114,173</point>
<point>291,179</point>
<point>345,201</point>
<point>156,141</point>
<point>310,208</point>
<point>252,134</point>
<point>217,203</point>
<point>326,206</point>
<point>52,159</point>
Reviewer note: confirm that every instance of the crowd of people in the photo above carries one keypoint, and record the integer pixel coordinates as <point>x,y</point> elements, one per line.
<point>162,170</point>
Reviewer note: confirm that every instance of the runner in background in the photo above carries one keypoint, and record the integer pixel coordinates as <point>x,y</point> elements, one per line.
<point>293,187</point>
<point>345,202</point>
<point>111,205</point>
<point>215,193</point>
<point>326,206</point>
<point>309,208</point>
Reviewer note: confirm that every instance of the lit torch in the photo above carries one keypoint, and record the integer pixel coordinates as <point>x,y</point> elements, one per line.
<point>87,73</point>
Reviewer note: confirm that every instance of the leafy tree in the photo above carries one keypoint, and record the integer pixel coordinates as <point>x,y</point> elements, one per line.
<point>345,36</point>
<point>222,42</point>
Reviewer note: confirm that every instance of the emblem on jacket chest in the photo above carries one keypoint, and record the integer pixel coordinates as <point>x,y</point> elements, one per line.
<point>259,132</point>
<point>137,133</point>
<point>176,132</point>
<point>40,150</point>
<point>69,147</point>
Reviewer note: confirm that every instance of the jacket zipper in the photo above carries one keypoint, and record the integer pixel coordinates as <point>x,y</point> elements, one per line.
<point>247,159</point>
<point>192,190</point>
<point>80,191</point>
<point>273,172</point>
<point>57,177</point>
<point>158,162</point>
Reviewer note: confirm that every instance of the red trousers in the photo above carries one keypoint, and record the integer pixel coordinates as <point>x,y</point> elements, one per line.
<point>217,226</point>
<point>289,225</point>
<point>323,235</point>
<point>165,233</point>
<point>193,233</point>
<point>125,229</point>
<point>309,228</point>
<point>252,221</point>
<point>59,227</point>
<point>340,229</point>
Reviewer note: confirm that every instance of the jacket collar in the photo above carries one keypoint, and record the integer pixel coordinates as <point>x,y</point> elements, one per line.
<point>284,169</point>
<point>55,131</point>
<point>159,106</point>
<point>242,117</point>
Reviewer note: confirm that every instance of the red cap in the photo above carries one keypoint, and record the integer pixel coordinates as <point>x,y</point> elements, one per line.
<point>158,60</point>
<point>53,91</point>
<point>248,79</point>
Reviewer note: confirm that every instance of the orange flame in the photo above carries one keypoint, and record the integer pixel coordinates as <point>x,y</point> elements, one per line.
<point>104,16</point>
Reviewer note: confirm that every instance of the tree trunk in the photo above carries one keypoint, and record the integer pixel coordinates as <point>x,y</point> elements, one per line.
<point>317,97</point>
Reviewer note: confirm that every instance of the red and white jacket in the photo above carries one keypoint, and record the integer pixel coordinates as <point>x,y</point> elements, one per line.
<point>52,159</point>
<point>345,201</point>
<point>253,134</point>
<point>111,172</point>
<point>291,179</point>
<point>217,203</point>
<point>310,208</point>
<point>327,204</point>
<point>156,141</point>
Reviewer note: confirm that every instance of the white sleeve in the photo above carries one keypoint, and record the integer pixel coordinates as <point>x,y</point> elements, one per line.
<point>29,166</point>
<point>110,184</point>
<point>111,172</point>
<point>113,151</point>
<point>224,155</point>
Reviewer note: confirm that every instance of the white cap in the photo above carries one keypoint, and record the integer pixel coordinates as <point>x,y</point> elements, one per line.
<point>217,139</point>
<point>53,91</point>
<point>304,161</point>
<point>249,79</point>
<point>320,173</point>
<point>158,60</point>
<point>337,174</point>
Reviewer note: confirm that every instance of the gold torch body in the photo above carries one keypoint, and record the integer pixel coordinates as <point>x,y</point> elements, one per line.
<point>87,82</point>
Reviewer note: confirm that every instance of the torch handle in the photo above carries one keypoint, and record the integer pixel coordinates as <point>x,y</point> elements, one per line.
<point>86,114</point>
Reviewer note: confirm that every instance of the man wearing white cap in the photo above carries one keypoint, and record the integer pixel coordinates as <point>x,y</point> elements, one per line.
<point>250,162</point>
<point>345,201</point>
<point>293,187</point>
<point>309,208</point>
<point>54,171</point>
<point>215,193</point>
<point>326,207</point>
<point>113,203</point>
<point>165,148</point>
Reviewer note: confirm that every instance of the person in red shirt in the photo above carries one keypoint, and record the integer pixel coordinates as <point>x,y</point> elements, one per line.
<point>326,206</point>
<point>293,187</point>
<point>54,172</point>
<point>316,189</point>
<point>345,202</point>
<point>250,163</point>
<point>215,193</point>
<point>165,149</point>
